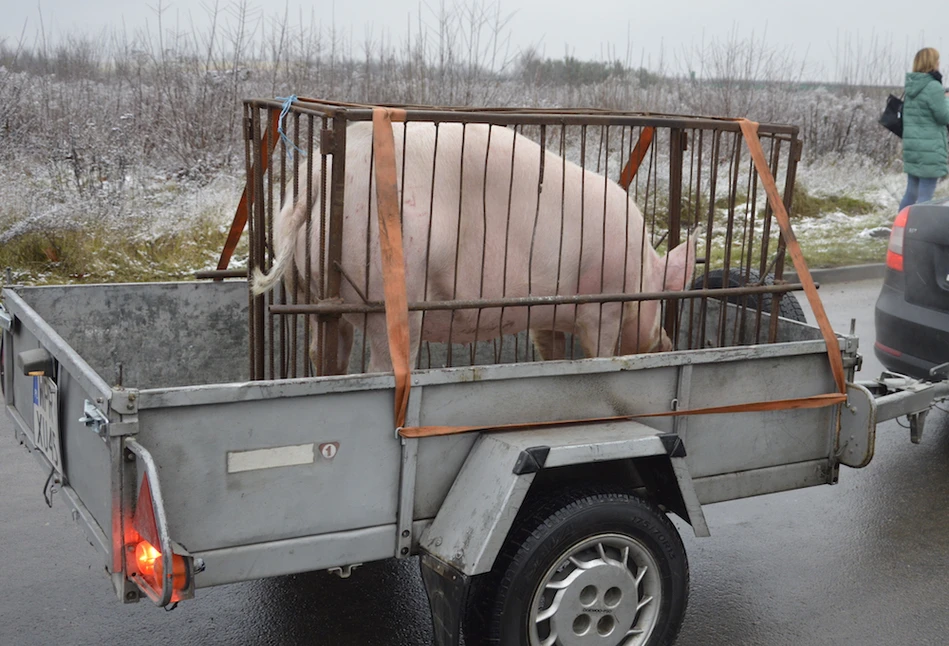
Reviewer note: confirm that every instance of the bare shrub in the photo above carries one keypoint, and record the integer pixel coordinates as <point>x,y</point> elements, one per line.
<point>120,130</point>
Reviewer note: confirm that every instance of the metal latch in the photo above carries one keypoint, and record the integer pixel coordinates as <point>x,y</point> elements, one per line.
<point>94,418</point>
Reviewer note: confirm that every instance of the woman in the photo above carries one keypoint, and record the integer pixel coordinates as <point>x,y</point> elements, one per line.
<point>925,117</point>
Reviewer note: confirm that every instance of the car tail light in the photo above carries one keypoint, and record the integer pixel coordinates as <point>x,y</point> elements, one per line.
<point>887,350</point>
<point>894,252</point>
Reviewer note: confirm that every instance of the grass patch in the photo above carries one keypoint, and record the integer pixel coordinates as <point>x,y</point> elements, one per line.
<point>100,255</point>
<point>806,205</point>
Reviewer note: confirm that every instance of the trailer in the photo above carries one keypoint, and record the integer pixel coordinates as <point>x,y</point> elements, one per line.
<point>201,434</point>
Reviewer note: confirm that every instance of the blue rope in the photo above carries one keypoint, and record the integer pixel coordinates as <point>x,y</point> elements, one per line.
<point>287,102</point>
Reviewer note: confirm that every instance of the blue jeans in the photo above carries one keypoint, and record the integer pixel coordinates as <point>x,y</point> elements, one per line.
<point>918,189</point>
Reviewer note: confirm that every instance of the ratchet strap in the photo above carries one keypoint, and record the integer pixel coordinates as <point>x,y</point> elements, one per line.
<point>396,300</point>
<point>750,131</point>
<point>268,143</point>
<point>637,156</point>
<point>393,258</point>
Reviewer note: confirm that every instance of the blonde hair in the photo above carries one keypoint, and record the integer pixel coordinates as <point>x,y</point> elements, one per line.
<point>927,60</point>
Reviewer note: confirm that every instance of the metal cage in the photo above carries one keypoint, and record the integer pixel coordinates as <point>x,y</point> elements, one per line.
<point>682,172</point>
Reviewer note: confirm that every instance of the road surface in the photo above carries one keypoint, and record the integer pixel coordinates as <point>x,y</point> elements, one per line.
<point>863,562</point>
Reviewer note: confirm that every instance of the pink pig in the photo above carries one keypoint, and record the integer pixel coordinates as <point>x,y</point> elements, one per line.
<point>577,233</point>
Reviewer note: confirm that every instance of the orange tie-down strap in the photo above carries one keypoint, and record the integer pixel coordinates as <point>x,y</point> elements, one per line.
<point>637,156</point>
<point>396,300</point>
<point>267,145</point>
<point>393,258</point>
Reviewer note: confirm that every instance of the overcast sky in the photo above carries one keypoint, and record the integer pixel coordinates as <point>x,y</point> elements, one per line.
<point>815,29</point>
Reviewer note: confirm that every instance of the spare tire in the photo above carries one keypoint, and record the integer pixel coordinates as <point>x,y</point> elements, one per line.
<point>789,307</point>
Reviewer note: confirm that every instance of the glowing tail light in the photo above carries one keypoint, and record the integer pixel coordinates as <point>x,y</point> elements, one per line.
<point>147,564</point>
<point>145,558</point>
<point>894,252</point>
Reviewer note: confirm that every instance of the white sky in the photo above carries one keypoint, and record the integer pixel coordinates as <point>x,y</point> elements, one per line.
<point>814,29</point>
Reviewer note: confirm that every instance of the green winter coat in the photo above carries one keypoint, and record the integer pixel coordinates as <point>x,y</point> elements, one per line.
<point>925,117</point>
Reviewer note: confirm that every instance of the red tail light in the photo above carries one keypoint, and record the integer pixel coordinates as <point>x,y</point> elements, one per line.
<point>887,349</point>
<point>146,561</point>
<point>894,252</point>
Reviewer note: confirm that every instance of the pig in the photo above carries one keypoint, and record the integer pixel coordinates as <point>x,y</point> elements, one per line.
<point>478,223</point>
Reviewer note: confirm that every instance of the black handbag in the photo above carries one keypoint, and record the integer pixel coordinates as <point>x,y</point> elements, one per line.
<point>892,117</point>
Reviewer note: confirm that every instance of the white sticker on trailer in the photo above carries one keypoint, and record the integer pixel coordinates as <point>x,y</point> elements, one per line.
<point>279,456</point>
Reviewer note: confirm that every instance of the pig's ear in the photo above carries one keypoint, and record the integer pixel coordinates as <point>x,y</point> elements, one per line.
<point>679,265</point>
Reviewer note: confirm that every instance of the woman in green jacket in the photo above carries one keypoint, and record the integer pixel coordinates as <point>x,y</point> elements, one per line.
<point>925,117</point>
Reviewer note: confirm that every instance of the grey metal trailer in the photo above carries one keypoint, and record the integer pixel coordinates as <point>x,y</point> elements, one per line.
<point>187,470</point>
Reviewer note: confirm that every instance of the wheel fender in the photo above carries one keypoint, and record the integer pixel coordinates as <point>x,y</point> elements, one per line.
<point>476,516</point>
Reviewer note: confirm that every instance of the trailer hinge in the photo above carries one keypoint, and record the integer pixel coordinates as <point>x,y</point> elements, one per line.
<point>327,141</point>
<point>95,419</point>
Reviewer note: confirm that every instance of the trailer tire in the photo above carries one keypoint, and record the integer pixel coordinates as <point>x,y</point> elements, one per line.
<point>789,307</point>
<point>568,553</point>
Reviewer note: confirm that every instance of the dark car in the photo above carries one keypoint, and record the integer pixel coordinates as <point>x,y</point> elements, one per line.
<point>912,312</point>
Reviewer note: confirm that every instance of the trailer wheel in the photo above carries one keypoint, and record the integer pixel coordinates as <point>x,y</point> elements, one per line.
<point>584,568</point>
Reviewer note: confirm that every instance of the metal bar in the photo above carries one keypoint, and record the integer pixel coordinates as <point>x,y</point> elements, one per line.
<point>308,332</point>
<point>270,142</point>
<point>334,248</point>
<point>215,274</point>
<point>521,116</point>
<point>533,301</point>
<point>912,398</point>
<point>677,143</point>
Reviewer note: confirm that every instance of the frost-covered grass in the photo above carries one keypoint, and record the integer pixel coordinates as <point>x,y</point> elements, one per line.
<point>162,229</point>
<point>122,156</point>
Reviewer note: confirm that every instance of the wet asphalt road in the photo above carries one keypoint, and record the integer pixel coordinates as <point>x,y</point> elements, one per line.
<point>863,562</point>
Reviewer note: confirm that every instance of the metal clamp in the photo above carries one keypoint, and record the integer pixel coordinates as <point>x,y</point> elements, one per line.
<point>161,522</point>
<point>95,419</point>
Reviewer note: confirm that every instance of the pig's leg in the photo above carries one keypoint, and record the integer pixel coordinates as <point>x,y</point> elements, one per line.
<point>345,347</point>
<point>379,359</point>
<point>598,332</point>
<point>550,344</point>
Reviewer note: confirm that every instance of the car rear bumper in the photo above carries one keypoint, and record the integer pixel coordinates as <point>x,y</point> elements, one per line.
<point>914,339</point>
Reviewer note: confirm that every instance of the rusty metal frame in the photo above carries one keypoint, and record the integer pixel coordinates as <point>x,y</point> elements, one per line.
<point>697,145</point>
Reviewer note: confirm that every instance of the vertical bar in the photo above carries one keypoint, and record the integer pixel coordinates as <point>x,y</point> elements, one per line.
<point>714,164</point>
<point>256,259</point>
<point>294,275</point>
<point>507,242</point>
<point>794,156</point>
<point>370,227</point>
<point>454,287</point>
<point>484,240</point>
<point>282,290</point>
<point>269,319</point>
<point>765,243</point>
<point>428,240</point>
<point>334,249</point>
<point>309,334</point>
<point>677,144</point>
<point>249,170</point>
<point>529,350</point>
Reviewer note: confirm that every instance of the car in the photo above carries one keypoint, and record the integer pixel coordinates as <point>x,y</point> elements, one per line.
<point>912,311</point>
